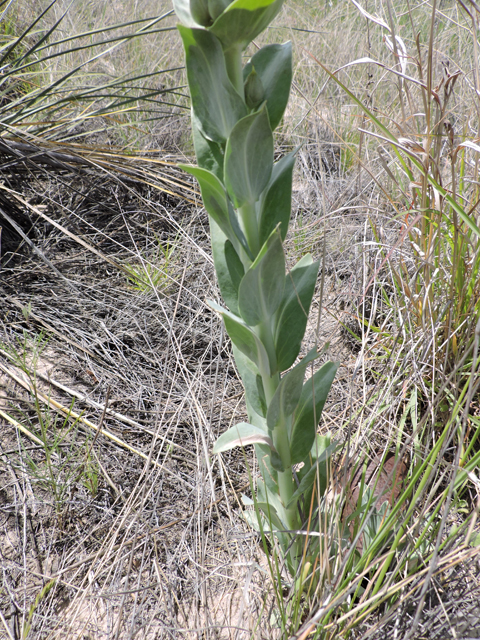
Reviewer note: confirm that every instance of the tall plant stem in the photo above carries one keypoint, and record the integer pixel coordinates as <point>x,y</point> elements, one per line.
<point>286,485</point>
<point>248,196</point>
<point>249,222</point>
<point>270,383</point>
<point>233,58</point>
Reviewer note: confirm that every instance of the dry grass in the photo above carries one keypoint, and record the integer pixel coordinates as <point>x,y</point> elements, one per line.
<point>144,541</point>
<point>158,548</point>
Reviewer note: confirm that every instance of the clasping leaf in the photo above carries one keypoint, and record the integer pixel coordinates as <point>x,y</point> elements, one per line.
<point>273,66</point>
<point>261,289</point>
<point>276,201</point>
<point>215,101</point>
<point>191,13</point>
<point>249,158</point>
<point>252,382</point>
<point>228,281</point>
<point>241,435</point>
<point>243,20</point>
<point>292,315</point>
<point>244,338</point>
<point>209,153</point>
<point>288,392</point>
<point>217,204</point>
<point>309,409</point>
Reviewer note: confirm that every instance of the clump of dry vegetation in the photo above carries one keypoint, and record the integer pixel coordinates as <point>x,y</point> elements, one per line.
<point>115,377</point>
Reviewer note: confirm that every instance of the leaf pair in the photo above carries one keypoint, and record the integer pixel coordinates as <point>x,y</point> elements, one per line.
<point>291,317</point>
<point>264,292</point>
<point>236,23</point>
<point>219,207</point>
<point>216,103</point>
<point>267,78</point>
<point>274,210</point>
<point>294,398</point>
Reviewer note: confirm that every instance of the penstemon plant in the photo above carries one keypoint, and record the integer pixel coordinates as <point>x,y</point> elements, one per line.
<point>235,109</point>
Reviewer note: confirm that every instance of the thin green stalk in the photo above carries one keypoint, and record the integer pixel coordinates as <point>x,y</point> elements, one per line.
<point>286,490</point>
<point>233,59</point>
<point>286,484</point>
<point>270,383</point>
<point>432,457</point>
<point>248,218</point>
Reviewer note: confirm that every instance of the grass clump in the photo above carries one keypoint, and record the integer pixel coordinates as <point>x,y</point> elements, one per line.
<point>57,464</point>
<point>153,272</point>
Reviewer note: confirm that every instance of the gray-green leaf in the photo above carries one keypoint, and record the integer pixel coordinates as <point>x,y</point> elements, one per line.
<point>200,13</point>
<point>215,101</point>
<point>234,265</point>
<point>266,512</point>
<point>269,474</point>
<point>309,409</point>
<point>209,153</point>
<point>244,338</point>
<point>288,392</point>
<point>249,158</point>
<point>243,20</point>
<point>249,373</point>
<point>213,195</point>
<point>261,289</point>
<point>273,64</point>
<point>228,288</point>
<point>241,435</point>
<point>217,203</point>
<point>292,315</point>
<point>276,201</point>
<point>184,12</point>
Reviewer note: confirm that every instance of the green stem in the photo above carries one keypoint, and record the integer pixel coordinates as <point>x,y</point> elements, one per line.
<point>286,485</point>
<point>270,383</point>
<point>233,59</point>
<point>286,489</point>
<point>285,478</point>
<point>248,220</point>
